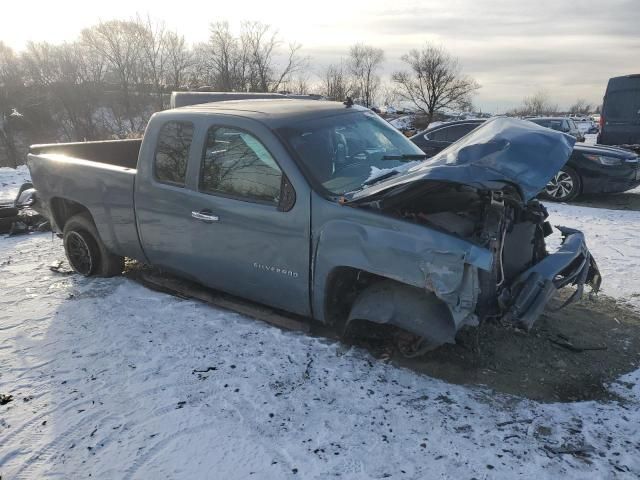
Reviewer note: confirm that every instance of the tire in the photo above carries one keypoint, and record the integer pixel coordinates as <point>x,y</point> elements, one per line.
<point>564,186</point>
<point>85,252</point>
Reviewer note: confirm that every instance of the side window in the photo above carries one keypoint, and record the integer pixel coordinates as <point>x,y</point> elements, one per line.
<point>172,152</point>
<point>438,135</point>
<point>456,132</point>
<point>235,163</point>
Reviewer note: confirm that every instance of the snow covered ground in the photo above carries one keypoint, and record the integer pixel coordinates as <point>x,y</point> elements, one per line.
<point>10,181</point>
<point>111,380</point>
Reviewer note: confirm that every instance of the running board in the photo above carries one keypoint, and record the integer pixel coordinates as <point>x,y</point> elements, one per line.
<point>167,283</point>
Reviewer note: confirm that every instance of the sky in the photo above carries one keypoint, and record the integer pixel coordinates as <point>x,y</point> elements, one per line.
<point>512,48</point>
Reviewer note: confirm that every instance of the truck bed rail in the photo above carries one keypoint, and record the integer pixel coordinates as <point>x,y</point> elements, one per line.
<point>122,153</point>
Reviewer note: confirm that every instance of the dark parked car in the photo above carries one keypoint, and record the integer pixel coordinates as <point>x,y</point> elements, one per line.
<point>561,124</point>
<point>590,168</point>
<point>432,140</point>
<point>620,118</point>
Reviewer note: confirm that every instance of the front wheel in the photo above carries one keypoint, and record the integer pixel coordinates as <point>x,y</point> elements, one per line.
<point>86,253</point>
<point>564,186</point>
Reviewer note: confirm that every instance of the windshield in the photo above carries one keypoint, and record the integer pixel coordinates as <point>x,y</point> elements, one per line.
<point>346,152</point>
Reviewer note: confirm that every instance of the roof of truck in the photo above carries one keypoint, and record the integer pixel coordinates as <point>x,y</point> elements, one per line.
<point>275,112</point>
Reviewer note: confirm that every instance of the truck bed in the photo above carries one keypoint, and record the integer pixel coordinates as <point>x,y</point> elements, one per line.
<point>100,176</point>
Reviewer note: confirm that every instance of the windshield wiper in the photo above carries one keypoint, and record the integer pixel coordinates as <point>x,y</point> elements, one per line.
<point>405,156</point>
<point>379,178</point>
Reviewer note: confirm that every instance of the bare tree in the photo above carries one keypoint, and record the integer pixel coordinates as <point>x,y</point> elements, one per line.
<point>299,85</point>
<point>434,80</point>
<point>294,64</point>
<point>537,104</point>
<point>120,43</point>
<point>68,84</point>
<point>248,62</point>
<point>581,107</point>
<point>153,50</point>
<point>388,95</point>
<point>179,59</point>
<point>336,84</point>
<point>260,43</point>
<point>11,88</point>
<point>364,62</point>
<point>227,58</point>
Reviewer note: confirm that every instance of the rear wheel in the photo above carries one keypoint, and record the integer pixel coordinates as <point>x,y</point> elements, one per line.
<point>564,186</point>
<point>86,253</point>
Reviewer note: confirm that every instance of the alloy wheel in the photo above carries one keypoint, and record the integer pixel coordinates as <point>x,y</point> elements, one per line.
<point>560,186</point>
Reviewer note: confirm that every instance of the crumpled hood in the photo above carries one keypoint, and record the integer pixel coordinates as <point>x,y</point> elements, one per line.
<point>502,150</point>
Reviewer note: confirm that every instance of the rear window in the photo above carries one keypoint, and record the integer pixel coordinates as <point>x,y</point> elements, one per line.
<point>555,124</point>
<point>451,134</point>
<point>172,152</point>
<point>622,104</point>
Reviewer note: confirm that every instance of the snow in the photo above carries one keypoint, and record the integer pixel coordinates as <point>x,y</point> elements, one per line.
<point>404,122</point>
<point>379,172</point>
<point>612,239</point>
<point>111,380</point>
<point>10,181</point>
<point>590,138</point>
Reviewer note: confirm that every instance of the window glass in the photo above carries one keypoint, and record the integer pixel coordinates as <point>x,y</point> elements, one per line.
<point>451,134</point>
<point>456,132</point>
<point>554,124</point>
<point>235,163</point>
<point>438,135</point>
<point>622,104</point>
<point>172,152</point>
<point>342,152</point>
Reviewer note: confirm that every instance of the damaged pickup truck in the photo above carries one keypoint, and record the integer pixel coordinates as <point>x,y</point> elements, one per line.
<point>323,210</point>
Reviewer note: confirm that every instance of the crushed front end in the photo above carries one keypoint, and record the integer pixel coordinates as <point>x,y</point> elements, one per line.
<point>523,276</point>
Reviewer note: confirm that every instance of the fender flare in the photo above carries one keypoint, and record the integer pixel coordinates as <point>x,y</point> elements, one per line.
<point>413,309</point>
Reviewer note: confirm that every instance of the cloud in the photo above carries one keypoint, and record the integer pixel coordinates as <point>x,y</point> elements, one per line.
<point>512,47</point>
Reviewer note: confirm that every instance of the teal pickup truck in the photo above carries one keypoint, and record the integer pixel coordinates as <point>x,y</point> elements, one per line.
<point>324,210</point>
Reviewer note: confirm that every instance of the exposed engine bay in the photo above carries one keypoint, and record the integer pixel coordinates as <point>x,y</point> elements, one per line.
<point>494,219</point>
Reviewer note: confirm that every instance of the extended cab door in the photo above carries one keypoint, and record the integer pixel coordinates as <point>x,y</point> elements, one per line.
<point>240,223</point>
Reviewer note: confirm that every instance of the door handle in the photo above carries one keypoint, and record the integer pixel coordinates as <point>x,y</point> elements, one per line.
<point>205,216</point>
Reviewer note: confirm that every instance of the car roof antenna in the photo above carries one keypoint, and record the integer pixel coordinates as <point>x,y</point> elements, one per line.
<point>348,102</point>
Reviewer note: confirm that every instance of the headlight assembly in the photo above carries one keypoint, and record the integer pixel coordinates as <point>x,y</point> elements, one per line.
<point>603,160</point>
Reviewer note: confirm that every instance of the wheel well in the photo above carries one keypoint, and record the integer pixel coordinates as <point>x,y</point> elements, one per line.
<point>343,286</point>
<point>63,209</point>
<point>578,174</point>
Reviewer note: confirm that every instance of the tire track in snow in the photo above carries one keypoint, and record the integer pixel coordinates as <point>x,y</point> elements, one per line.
<point>48,449</point>
<point>158,446</point>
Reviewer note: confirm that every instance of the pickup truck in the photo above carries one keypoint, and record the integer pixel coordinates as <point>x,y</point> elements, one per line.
<point>322,209</point>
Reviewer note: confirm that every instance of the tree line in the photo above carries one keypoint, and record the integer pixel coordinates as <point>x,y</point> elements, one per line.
<point>108,82</point>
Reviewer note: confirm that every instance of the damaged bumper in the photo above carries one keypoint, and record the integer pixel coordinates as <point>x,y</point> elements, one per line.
<point>530,292</point>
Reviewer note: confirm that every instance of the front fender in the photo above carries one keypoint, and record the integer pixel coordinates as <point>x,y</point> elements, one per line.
<point>408,253</point>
